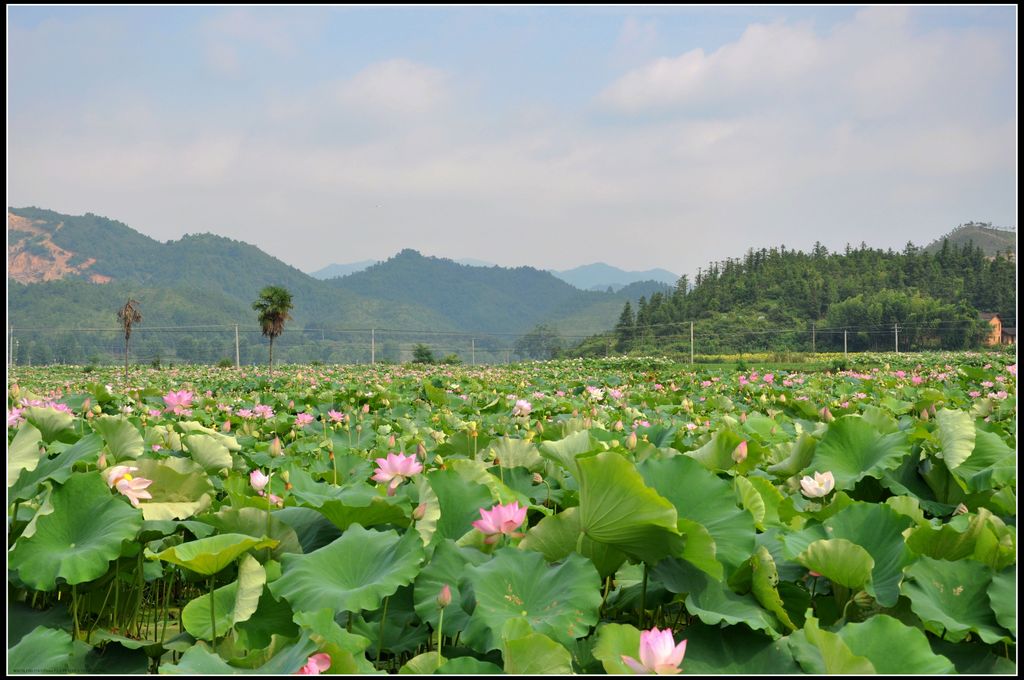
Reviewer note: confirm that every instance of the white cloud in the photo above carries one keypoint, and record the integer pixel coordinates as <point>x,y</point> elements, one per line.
<point>396,87</point>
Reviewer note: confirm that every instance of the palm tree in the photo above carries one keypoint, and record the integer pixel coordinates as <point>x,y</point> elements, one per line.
<point>128,315</point>
<point>273,306</point>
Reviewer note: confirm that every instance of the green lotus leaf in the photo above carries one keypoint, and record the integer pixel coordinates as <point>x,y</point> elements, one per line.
<point>346,649</point>
<point>272,617</point>
<point>852,449</point>
<point>355,572</point>
<point>447,566</point>
<point>209,452</point>
<point>618,509</point>
<point>47,650</point>
<point>956,435</point>
<point>460,502</point>
<point>208,556</point>
<point>1002,596</point>
<point>712,601</point>
<point>234,603</point>
<point>893,647</point>
<point>839,560</point>
<point>734,650</point>
<point>23,452</point>
<point>50,422</point>
<point>557,536</point>
<point>422,664</point>
<point>563,452</point>
<point>820,652</point>
<point>313,529</point>
<point>700,496</point>
<point>536,654</point>
<point>614,640</point>
<point>474,471</point>
<point>77,541</point>
<point>193,427</point>
<point>180,488</point>
<point>952,599</point>
<point>559,601</point>
<point>363,505</point>
<point>716,455</point>
<point>57,469</point>
<point>256,523</point>
<point>199,660</point>
<point>751,500</point>
<point>956,539</point>
<point>512,453</point>
<point>765,581</point>
<point>467,665</point>
<point>122,438</point>
<point>800,456</point>
<point>992,464</point>
<point>974,658</point>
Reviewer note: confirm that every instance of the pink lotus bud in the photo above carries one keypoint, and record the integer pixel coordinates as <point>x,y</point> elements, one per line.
<point>539,427</point>
<point>421,451</point>
<point>444,598</point>
<point>617,426</point>
<point>743,417</point>
<point>631,441</point>
<point>366,408</point>
<point>275,447</point>
<point>420,512</point>
<point>391,442</point>
<point>826,415</point>
<point>740,453</point>
<point>225,426</point>
<point>537,479</point>
<point>924,414</point>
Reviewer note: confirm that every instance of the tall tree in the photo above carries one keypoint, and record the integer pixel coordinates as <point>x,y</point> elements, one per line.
<point>273,306</point>
<point>128,315</point>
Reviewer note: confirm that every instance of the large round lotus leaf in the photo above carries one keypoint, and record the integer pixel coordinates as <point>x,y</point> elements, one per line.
<point>956,435</point>
<point>353,573</point>
<point>952,599</point>
<point>364,506</point>
<point>954,540</point>
<point>193,427</point>
<point>733,650</point>
<point>23,453</point>
<point>512,453</point>
<point>1002,595</point>
<point>701,497</point>
<point>422,664</point>
<point>460,502</point>
<point>893,647</point>
<point>121,436</point>
<point>716,455</point>
<point>46,650</point>
<point>78,539</point>
<point>536,654</point>
<point>614,640</point>
<point>180,488</point>
<point>208,556</point>
<point>199,660</point>
<point>447,567</point>
<point>50,422</point>
<point>618,509</point>
<point>711,601</point>
<point>234,603</point>
<point>852,449</point>
<point>564,451</point>
<point>56,469</point>
<point>556,536</point>
<point>208,451</point>
<point>821,652</point>
<point>559,601</point>
<point>839,560</point>
<point>991,465</point>
<point>272,617</point>
<point>256,523</point>
<point>477,472</point>
<point>467,665</point>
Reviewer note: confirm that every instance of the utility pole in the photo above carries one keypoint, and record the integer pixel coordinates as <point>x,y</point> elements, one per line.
<point>814,333</point>
<point>238,364</point>
<point>507,360</point>
<point>844,343</point>
<point>691,343</point>
<point>896,330</point>
<point>472,350</point>
<point>373,346</point>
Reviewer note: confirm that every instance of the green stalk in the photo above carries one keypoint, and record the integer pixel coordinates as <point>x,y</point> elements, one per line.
<point>103,608</point>
<point>643,599</point>
<point>604,597</point>
<point>440,623</point>
<point>117,587</point>
<point>166,610</point>
<point>213,615</point>
<point>74,608</point>
<point>380,635</point>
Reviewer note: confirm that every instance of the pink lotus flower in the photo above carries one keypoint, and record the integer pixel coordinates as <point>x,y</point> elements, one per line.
<point>177,402</point>
<point>258,480</point>
<point>303,419</point>
<point>336,416</point>
<point>315,665</point>
<point>1012,369</point>
<point>819,485</point>
<point>276,500</point>
<point>395,469</point>
<point>659,653</point>
<point>15,417</point>
<point>245,413</point>
<point>263,411</point>
<point>153,413</point>
<point>133,487</point>
<point>522,408</point>
<point>501,519</point>
<point>769,378</point>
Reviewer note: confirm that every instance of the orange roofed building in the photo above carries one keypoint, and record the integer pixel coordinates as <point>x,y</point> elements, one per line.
<point>998,333</point>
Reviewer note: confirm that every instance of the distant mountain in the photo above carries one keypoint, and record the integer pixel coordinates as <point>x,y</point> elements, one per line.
<point>990,239</point>
<point>333,271</point>
<point>475,263</point>
<point>601,276</point>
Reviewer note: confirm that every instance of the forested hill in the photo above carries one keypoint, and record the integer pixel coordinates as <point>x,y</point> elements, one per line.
<point>748,302</point>
<point>991,240</point>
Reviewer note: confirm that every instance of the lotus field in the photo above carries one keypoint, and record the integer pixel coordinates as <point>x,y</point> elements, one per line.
<point>614,516</point>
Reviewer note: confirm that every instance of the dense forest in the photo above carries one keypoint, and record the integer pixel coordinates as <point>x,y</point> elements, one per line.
<point>779,299</point>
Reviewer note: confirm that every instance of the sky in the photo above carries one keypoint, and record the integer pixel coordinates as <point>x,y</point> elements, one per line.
<point>544,136</point>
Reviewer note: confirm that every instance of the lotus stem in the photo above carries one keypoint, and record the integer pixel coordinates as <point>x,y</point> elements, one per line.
<point>440,623</point>
<point>643,599</point>
<point>166,609</point>
<point>213,615</point>
<point>74,608</point>
<point>380,635</point>
<point>103,608</point>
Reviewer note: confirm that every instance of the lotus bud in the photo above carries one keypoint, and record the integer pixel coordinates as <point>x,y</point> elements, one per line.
<point>764,398</point>
<point>863,600</point>
<point>420,512</point>
<point>924,414</point>
<point>101,462</point>
<point>631,441</point>
<point>537,479</point>
<point>421,451</point>
<point>960,510</point>
<point>593,411</point>
<point>225,426</point>
<point>96,409</point>
<point>588,422</point>
<point>617,426</point>
<point>782,398</point>
<point>826,415</point>
<point>385,402</point>
<point>444,598</point>
<point>275,447</point>
<point>743,416</point>
<point>740,453</point>
<point>539,427</point>
<point>366,407</point>
<point>391,442</point>
<point>575,412</point>
<point>931,409</point>
<point>439,460</point>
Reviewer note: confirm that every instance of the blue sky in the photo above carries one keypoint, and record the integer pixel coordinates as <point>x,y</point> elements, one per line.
<point>643,137</point>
